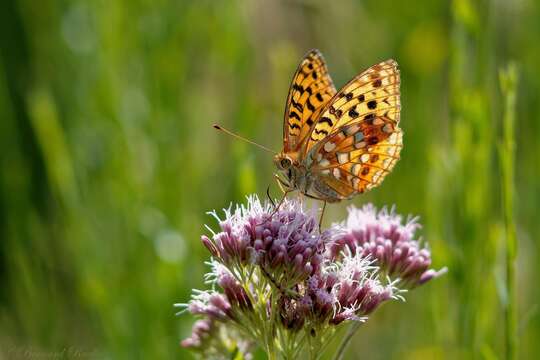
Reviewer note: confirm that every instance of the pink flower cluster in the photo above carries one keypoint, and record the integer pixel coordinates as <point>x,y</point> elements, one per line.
<point>279,274</point>
<point>382,236</point>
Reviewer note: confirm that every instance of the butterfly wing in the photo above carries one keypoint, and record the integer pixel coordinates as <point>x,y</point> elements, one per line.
<point>357,139</point>
<point>311,89</point>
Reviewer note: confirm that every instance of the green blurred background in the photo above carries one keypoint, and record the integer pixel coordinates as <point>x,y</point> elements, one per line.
<point>109,162</point>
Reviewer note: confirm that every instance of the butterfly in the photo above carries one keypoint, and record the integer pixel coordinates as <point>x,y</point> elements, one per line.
<point>337,144</point>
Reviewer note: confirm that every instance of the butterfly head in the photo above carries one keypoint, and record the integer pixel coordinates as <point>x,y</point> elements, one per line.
<point>283,162</point>
<point>286,164</point>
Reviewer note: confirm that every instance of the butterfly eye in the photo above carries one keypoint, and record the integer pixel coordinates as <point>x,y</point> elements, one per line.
<point>285,163</point>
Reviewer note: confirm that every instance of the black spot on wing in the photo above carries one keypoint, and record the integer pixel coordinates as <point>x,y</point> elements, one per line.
<point>292,114</point>
<point>369,118</point>
<point>298,88</point>
<point>324,119</point>
<point>310,106</point>
<point>353,113</point>
<point>321,131</point>
<point>297,106</point>
<point>294,126</point>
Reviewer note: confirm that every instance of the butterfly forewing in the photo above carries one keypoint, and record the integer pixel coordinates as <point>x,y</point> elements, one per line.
<point>357,140</point>
<point>310,90</point>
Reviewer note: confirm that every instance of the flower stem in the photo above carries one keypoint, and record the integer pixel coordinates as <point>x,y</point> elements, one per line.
<point>270,352</point>
<point>346,340</point>
<point>508,80</point>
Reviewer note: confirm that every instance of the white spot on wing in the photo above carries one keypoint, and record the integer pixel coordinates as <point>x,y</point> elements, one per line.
<point>377,176</point>
<point>329,146</point>
<point>343,157</point>
<point>351,130</point>
<point>364,158</point>
<point>360,145</point>
<point>325,163</point>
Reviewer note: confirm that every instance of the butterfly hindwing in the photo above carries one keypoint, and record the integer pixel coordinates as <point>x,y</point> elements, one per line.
<point>310,90</point>
<point>350,170</point>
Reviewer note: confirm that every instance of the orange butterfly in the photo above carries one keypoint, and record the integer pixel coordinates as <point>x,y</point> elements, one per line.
<point>339,144</point>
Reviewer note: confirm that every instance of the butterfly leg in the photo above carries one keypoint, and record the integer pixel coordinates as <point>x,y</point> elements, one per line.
<point>276,208</point>
<point>323,208</point>
<point>270,197</point>
<point>322,214</point>
<point>280,183</point>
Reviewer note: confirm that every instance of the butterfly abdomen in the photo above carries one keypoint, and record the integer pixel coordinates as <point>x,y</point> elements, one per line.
<point>321,190</point>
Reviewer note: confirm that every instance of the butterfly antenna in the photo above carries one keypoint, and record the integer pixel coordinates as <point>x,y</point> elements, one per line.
<point>218,127</point>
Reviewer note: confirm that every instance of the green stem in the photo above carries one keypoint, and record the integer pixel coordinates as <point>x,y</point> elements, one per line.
<point>328,338</point>
<point>346,340</point>
<point>271,352</point>
<point>314,343</point>
<point>508,80</point>
<point>299,346</point>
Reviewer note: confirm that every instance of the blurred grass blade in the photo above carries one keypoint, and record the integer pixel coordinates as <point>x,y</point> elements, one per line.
<point>52,140</point>
<point>508,83</point>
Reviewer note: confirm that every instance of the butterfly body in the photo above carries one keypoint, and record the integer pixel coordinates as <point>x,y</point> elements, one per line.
<point>298,176</point>
<point>339,143</point>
